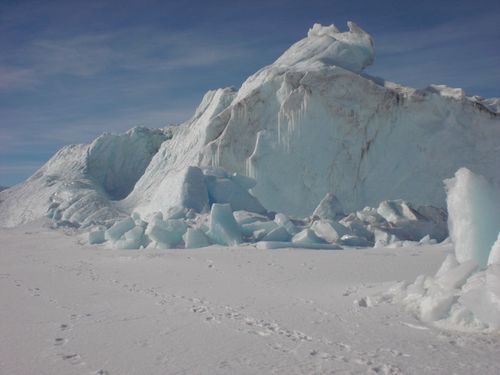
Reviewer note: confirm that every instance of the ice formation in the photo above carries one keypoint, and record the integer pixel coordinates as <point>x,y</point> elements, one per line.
<point>474,215</point>
<point>309,124</point>
<point>191,225</point>
<point>465,292</point>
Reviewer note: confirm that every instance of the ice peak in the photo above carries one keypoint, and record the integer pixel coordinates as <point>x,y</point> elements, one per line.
<point>327,45</point>
<point>319,30</point>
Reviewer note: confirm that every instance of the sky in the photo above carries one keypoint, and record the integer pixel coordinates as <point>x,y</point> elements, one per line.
<point>71,70</point>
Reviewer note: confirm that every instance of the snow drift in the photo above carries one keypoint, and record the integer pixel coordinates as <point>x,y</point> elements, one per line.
<point>309,124</point>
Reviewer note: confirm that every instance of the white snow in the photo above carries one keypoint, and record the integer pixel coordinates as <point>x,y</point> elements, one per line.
<point>71,309</point>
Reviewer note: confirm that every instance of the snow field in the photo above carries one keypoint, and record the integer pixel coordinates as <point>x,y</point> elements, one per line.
<point>72,309</point>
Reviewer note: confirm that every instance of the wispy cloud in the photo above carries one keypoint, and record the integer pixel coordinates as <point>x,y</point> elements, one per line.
<point>460,52</point>
<point>88,55</point>
<point>12,78</point>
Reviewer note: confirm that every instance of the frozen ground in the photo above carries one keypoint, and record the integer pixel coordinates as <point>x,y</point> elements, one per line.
<point>72,309</point>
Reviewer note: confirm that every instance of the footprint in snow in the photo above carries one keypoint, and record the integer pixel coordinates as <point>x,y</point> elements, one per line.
<point>72,358</point>
<point>58,341</point>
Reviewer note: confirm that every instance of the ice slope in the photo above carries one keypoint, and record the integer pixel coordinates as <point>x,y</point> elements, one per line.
<point>80,183</point>
<point>309,124</point>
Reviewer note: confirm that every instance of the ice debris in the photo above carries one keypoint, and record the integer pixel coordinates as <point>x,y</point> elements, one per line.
<point>464,294</point>
<point>216,207</point>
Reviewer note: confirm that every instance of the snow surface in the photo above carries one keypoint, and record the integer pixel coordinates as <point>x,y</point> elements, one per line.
<point>309,124</point>
<point>73,309</point>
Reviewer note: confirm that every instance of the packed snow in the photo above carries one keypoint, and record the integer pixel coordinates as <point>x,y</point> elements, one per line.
<point>69,308</point>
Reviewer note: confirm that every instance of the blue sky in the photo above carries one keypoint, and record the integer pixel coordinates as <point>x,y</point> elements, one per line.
<point>70,70</point>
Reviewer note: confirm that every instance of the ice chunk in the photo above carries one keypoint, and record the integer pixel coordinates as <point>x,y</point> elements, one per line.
<point>494,257</point>
<point>383,238</point>
<point>307,237</point>
<point>138,220</point>
<point>167,234</point>
<point>284,221</point>
<point>132,239</point>
<point>279,234</point>
<point>264,226</point>
<point>427,240</point>
<point>356,227</point>
<point>194,191</point>
<point>408,223</point>
<point>183,188</point>
<point>245,217</point>
<point>194,238</point>
<point>223,227</point>
<point>370,215</point>
<point>224,190</point>
<point>96,237</point>
<point>397,211</point>
<point>326,230</point>
<point>119,228</point>
<point>329,208</point>
<point>474,215</point>
<point>136,234</point>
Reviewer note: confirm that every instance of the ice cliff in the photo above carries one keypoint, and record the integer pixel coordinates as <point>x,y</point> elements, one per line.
<point>309,124</point>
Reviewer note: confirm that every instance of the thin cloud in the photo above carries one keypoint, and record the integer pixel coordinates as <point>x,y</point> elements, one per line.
<point>89,55</point>
<point>12,78</point>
